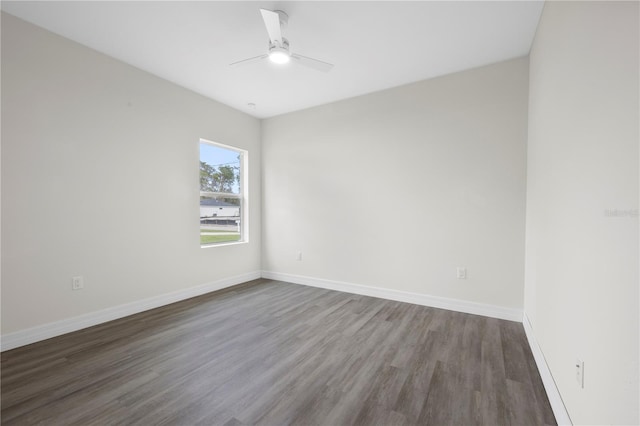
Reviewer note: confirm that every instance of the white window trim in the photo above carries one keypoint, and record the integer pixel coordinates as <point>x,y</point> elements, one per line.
<point>243,196</point>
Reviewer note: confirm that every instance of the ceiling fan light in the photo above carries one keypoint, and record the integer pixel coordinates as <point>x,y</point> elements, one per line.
<point>279,56</point>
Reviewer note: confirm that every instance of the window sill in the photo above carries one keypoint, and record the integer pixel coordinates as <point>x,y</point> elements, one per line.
<point>230,243</point>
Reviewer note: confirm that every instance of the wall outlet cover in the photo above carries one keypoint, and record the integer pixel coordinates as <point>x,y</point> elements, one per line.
<point>77,283</point>
<point>580,372</point>
<point>461,273</point>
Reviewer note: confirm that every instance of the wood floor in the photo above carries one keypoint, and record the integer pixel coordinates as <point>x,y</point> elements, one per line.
<point>274,353</point>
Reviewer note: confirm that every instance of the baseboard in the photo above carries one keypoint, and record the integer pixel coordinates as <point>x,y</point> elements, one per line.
<point>557,405</point>
<point>46,331</point>
<point>401,296</point>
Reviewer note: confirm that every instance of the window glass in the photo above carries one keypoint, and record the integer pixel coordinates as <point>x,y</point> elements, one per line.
<point>221,193</point>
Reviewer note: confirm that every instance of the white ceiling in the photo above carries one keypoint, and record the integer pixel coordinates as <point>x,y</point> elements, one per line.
<point>373,45</point>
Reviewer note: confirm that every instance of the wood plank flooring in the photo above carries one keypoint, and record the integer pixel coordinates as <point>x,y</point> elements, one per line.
<point>274,353</point>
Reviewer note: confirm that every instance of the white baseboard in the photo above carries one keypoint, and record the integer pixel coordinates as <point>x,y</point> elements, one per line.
<point>557,405</point>
<point>46,331</point>
<point>401,296</point>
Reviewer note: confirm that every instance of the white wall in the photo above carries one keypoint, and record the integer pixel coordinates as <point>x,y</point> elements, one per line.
<point>450,151</point>
<point>88,144</point>
<point>581,291</point>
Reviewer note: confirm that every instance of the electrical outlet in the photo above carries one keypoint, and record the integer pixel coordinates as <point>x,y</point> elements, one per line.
<point>77,283</point>
<point>580,373</point>
<point>461,273</point>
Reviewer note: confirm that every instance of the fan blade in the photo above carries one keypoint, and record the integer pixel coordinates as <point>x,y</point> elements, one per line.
<point>249,60</point>
<point>312,63</point>
<point>272,22</point>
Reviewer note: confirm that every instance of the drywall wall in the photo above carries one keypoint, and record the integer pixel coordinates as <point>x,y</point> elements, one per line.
<point>100,179</point>
<point>581,291</point>
<point>396,189</point>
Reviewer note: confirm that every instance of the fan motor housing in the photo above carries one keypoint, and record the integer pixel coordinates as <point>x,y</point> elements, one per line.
<point>279,54</point>
<point>277,46</point>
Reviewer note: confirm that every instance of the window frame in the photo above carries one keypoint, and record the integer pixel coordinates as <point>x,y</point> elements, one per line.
<point>242,195</point>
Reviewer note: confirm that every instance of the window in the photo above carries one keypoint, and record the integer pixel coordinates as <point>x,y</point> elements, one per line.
<point>222,194</point>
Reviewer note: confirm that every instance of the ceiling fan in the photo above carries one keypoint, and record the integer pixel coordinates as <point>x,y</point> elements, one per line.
<point>279,52</point>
